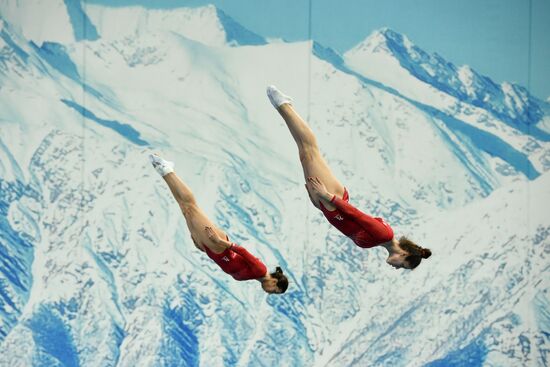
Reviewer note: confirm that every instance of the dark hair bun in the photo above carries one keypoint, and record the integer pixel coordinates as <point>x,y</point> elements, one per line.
<point>425,253</point>
<point>279,270</point>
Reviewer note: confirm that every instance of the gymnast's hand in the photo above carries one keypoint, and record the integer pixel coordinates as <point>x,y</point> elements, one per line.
<point>213,236</point>
<point>318,188</point>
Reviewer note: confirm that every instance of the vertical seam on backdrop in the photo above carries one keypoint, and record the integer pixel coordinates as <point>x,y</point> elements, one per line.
<point>528,204</point>
<point>308,115</point>
<point>83,144</point>
<point>309,61</point>
<point>529,55</point>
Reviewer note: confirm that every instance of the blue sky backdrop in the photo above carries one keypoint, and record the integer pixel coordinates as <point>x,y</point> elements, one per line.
<point>498,38</point>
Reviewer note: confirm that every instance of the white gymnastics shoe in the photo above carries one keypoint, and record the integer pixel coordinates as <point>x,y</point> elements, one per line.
<point>162,166</point>
<point>277,98</point>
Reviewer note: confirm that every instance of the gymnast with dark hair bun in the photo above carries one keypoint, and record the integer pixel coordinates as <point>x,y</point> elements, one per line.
<point>329,196</point>
<point>232,258</point>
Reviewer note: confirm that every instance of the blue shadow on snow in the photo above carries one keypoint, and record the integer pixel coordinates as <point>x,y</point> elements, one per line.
<point>125,130</point>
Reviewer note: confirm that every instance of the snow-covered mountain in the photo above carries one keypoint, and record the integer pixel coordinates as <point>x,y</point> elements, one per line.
<point>510,103</point>
<point>208,25</point>
<point>96,264</point>
<point>49,20</point>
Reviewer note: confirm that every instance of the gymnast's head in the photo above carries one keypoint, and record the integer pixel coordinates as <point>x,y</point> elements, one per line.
<point>408,254</point>
<point>275,282</point>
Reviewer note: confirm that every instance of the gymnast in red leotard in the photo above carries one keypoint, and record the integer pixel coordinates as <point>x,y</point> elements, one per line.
<point>231,258</point>
<point>331,197</point>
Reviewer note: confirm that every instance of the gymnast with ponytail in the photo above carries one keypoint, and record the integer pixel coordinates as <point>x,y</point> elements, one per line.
<point>233,259</point>
<point>329,196</point>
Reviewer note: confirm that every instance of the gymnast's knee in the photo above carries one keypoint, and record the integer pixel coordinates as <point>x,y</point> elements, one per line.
<point>188,208</point>
<point>308,152</point>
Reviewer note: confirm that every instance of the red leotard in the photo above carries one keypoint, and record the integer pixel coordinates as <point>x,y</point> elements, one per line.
<point>238,263</point>
<point>363,229</point>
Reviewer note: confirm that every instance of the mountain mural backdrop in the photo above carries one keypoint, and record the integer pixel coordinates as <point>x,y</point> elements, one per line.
<point>97,267</point>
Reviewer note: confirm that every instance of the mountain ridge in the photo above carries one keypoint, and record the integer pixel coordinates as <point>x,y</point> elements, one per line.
<point>507,101</point>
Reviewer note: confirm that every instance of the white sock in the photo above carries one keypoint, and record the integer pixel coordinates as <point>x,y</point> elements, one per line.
<point>162,166</point>
<point>276,97</point>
